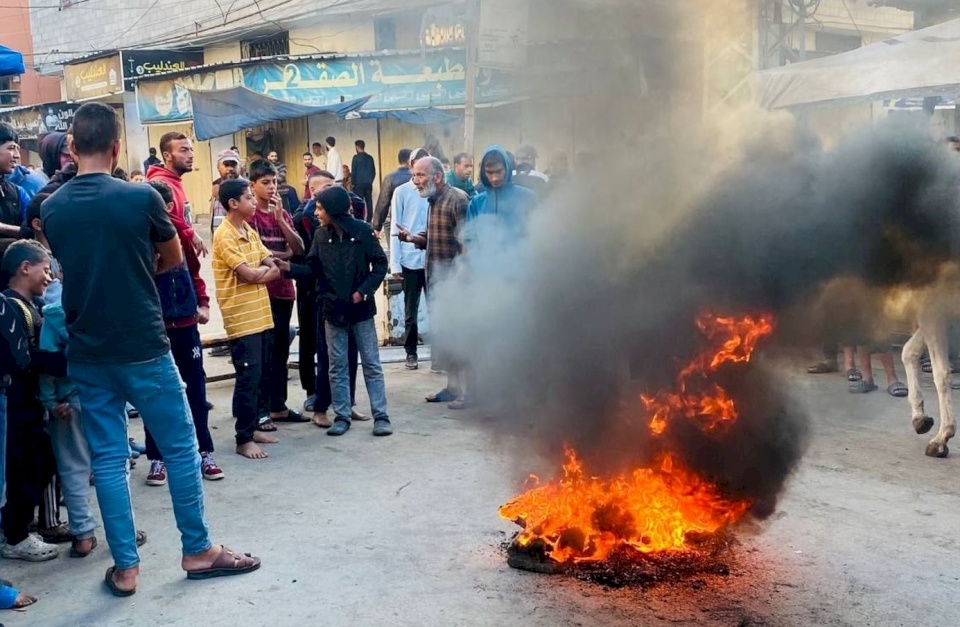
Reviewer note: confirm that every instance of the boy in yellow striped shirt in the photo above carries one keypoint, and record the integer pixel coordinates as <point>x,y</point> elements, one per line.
<point>242,267</point>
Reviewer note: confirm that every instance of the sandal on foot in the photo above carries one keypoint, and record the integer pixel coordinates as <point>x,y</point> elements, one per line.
<point>292,416</point>
<point>111,584</point>
<point>355,415</point>
<point>227,563</point>
<point>12,599</point>
<point>443,396</point>
<point>75,552</point>
<point>322,421</point>
<point>266,425</point>
<point>898,389</point>
<point>862,387</point>
<point>854,375</point>
<point>141,537</point>
<point>823,367</point>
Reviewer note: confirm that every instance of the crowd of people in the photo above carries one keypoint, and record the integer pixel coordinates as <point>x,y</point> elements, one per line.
<point>103,302</point>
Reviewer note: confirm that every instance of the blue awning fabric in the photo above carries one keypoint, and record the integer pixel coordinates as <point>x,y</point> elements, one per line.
<point>414,116</point>
<point>11,62</point>
<point>225,111</point>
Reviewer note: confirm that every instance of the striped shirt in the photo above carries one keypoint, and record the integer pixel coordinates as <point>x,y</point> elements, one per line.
<point>245,306</point>
<point>272,237</point>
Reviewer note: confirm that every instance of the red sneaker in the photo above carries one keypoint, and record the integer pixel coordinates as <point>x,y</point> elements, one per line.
<point>158,474</point>
<point>209,468</point>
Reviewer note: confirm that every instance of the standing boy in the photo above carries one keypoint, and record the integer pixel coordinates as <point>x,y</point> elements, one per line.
<point>349,264</point>
<point>242,268</point>
<point>181,308</point>
<point>275,228</point>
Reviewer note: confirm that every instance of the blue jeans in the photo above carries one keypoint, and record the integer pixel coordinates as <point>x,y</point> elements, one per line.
<point>154,387</point>
<point>338,342</point>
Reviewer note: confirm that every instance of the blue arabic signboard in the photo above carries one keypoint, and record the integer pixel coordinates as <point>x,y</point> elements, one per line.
<point>433,79</point>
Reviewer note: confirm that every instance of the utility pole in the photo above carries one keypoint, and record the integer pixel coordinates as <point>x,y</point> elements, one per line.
<point>470,108</point>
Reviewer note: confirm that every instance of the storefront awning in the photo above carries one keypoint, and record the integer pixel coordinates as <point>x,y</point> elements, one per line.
<point>421,117</point>
<point>11,62</point>
<point>917,64</point>
<point>225,111</point>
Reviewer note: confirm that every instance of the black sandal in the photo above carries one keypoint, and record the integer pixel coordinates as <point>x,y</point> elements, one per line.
<point>443,396</point>
<point>75,552</point>
<point>854,375</point>
<point>266,425</point>
<point>292,416</point>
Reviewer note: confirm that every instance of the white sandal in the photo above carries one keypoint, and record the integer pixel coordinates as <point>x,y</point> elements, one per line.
<point>33,549</point>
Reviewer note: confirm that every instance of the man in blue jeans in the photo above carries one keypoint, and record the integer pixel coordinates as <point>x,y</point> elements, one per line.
<point>111,237</point>
<point>349,264</point>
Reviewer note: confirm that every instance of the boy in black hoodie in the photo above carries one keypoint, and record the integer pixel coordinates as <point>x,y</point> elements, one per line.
<point>349,264</point>
<point>30,462</point>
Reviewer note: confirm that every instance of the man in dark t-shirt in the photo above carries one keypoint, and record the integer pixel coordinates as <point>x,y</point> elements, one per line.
<point>111,237</point>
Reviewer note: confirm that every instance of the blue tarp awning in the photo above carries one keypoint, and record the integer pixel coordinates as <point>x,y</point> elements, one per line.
<point>11,62</point>
<point>225,111</point>
<point>414,116</point>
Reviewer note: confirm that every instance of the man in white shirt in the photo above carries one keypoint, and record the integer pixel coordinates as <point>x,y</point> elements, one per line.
<point>407,263</point>
<point>334,163</point>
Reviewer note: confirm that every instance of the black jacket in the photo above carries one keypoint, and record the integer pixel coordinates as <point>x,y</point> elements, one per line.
<point>14,345</point>
<point>22,395</point>
<point>9,203</point>
<point>390,183</point>
<point>363,170</point>
<point>341,266</point>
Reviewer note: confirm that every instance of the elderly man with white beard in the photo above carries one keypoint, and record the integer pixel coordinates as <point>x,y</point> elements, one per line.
<point>448,212</point>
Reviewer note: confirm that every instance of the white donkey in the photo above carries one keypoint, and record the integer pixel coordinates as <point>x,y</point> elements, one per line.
<point>934,306</point>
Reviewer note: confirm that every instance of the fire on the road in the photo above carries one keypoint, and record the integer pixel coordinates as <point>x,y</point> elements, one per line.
<point>581,518</point>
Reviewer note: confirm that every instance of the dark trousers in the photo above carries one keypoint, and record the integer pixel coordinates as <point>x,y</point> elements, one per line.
<point>365,192</point>
<point>188,355</point>
<point>324,395</point>
<point>251,360</point>
<point>49,515</point>
<point>414,284</point>
<point>307,315</point>
<point>30,467</point>
<point>280,354</point>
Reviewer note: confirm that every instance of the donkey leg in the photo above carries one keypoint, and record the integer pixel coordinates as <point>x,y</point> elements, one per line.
<point>935,332</point>
<point>912,351</point>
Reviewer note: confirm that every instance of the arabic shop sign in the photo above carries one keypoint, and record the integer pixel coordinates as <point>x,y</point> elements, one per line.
<point>443,26</point>
<point>92,79</point>
<point>432,79</point>
<point>33,122</point>
<point>141,63</point>
<point>169,100</point>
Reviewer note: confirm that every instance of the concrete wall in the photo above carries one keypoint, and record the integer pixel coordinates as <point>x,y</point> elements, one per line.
<point>15,33</point>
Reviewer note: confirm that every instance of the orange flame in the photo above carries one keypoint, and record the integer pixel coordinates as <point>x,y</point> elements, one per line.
<point>712,408</point>
<point>582,518</point>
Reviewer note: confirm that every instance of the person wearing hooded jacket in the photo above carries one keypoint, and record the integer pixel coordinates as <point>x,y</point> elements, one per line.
<point>503,205</point>
<point>349,265</point>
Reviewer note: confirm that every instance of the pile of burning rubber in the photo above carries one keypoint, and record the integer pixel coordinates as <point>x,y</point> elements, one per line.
<point>658,521</point>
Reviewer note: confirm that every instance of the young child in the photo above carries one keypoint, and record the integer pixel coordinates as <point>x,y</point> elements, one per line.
<point>275,228</point>
<point>59,397</point>
<point>242,267</point>
<point>14,358</point>
<point>30,463</point>
<point>180,304</point>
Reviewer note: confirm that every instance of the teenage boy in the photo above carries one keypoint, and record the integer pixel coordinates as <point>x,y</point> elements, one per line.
<point>274,226</point>
<point>181,309</point>
<point>14,358</point>
<point>349,264</point>
<point>30,461</point>
<point>242,268</point>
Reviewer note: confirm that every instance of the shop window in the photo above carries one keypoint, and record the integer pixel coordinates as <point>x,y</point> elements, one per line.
<point>385,33</point>
<point>273,45</point>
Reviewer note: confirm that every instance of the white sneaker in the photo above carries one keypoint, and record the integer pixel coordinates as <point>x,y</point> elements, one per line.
<point>33,549</point>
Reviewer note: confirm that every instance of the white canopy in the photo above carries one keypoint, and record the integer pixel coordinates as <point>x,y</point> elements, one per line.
<point>916,64</point>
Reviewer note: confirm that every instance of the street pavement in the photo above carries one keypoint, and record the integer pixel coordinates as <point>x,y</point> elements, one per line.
<point>404,531</point>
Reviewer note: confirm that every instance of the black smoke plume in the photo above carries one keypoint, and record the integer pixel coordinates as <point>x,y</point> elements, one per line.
<point>566,327</point>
